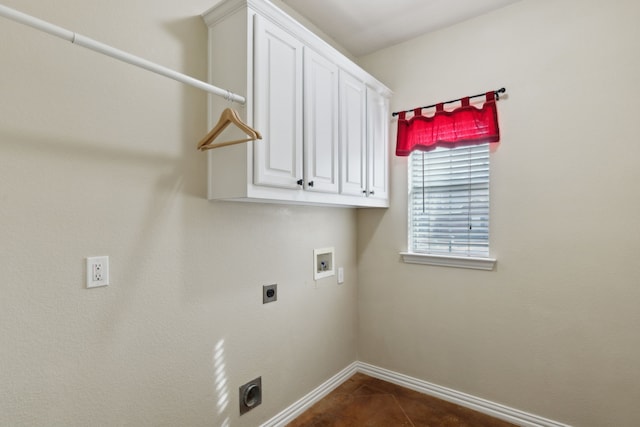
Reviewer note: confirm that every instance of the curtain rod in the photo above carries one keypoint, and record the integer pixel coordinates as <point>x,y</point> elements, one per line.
<point>497,92</point>
<point>104,49</point>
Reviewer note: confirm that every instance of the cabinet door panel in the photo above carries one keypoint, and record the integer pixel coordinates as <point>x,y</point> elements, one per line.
<point>320,123</point>
<point>352,135</point>
<point>377,136</point>
<point>278,106</point>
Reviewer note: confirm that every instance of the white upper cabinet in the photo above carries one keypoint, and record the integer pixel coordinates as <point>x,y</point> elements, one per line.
<point>323,120</point>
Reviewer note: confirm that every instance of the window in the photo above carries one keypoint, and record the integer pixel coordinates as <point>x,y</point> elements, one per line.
<point>449,207</point>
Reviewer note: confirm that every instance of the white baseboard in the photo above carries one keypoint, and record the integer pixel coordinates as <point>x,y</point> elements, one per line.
<point>493,409</point>
<point>293,411</point>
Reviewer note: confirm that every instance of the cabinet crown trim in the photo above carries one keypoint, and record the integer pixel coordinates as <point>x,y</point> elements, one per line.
<point>288,23</point>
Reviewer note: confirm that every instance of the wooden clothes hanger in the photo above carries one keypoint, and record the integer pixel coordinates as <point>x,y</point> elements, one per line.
<point>227,117</point>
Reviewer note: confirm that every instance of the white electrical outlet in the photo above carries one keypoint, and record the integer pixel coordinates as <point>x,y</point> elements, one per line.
<point>97,271</point>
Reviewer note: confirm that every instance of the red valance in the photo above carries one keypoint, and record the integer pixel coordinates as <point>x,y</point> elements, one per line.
<point>464,125</point>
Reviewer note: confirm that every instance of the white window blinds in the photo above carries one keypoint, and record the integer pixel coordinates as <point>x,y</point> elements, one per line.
<point>449,201</point>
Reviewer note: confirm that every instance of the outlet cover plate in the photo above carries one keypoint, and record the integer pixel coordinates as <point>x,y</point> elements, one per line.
<point>269,293</point>
<point>250,395</point>
<point>97,271</point>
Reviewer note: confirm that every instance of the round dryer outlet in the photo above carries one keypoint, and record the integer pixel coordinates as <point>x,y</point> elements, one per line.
<point>250,395</point>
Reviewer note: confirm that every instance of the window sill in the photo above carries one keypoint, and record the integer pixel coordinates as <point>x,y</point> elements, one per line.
<point>449,261</point>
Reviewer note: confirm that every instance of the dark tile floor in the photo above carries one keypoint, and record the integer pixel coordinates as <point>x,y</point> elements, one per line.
<point>363,401</point>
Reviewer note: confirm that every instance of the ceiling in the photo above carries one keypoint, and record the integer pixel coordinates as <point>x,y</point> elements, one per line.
<point>364,26</point>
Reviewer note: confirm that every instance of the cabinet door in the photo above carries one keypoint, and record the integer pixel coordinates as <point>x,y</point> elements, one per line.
<point>352,135</point>
<point>320,123</point>
<point>278,106</point>
<point>378,147</point>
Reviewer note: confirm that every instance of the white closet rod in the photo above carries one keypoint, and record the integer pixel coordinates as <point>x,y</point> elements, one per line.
<point>104,49</point>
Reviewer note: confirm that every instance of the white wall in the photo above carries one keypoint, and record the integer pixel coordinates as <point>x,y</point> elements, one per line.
<point>554,329</point>
<point>99,158</point>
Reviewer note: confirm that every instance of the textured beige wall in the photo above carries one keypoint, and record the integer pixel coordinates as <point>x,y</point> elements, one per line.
<point>98,158</point>
<point>554,330</point>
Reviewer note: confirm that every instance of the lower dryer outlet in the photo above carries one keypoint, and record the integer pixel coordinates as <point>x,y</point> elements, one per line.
<point>250,395</point>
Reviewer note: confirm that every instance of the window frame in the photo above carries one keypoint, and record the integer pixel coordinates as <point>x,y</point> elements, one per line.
<point>454,259</point>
